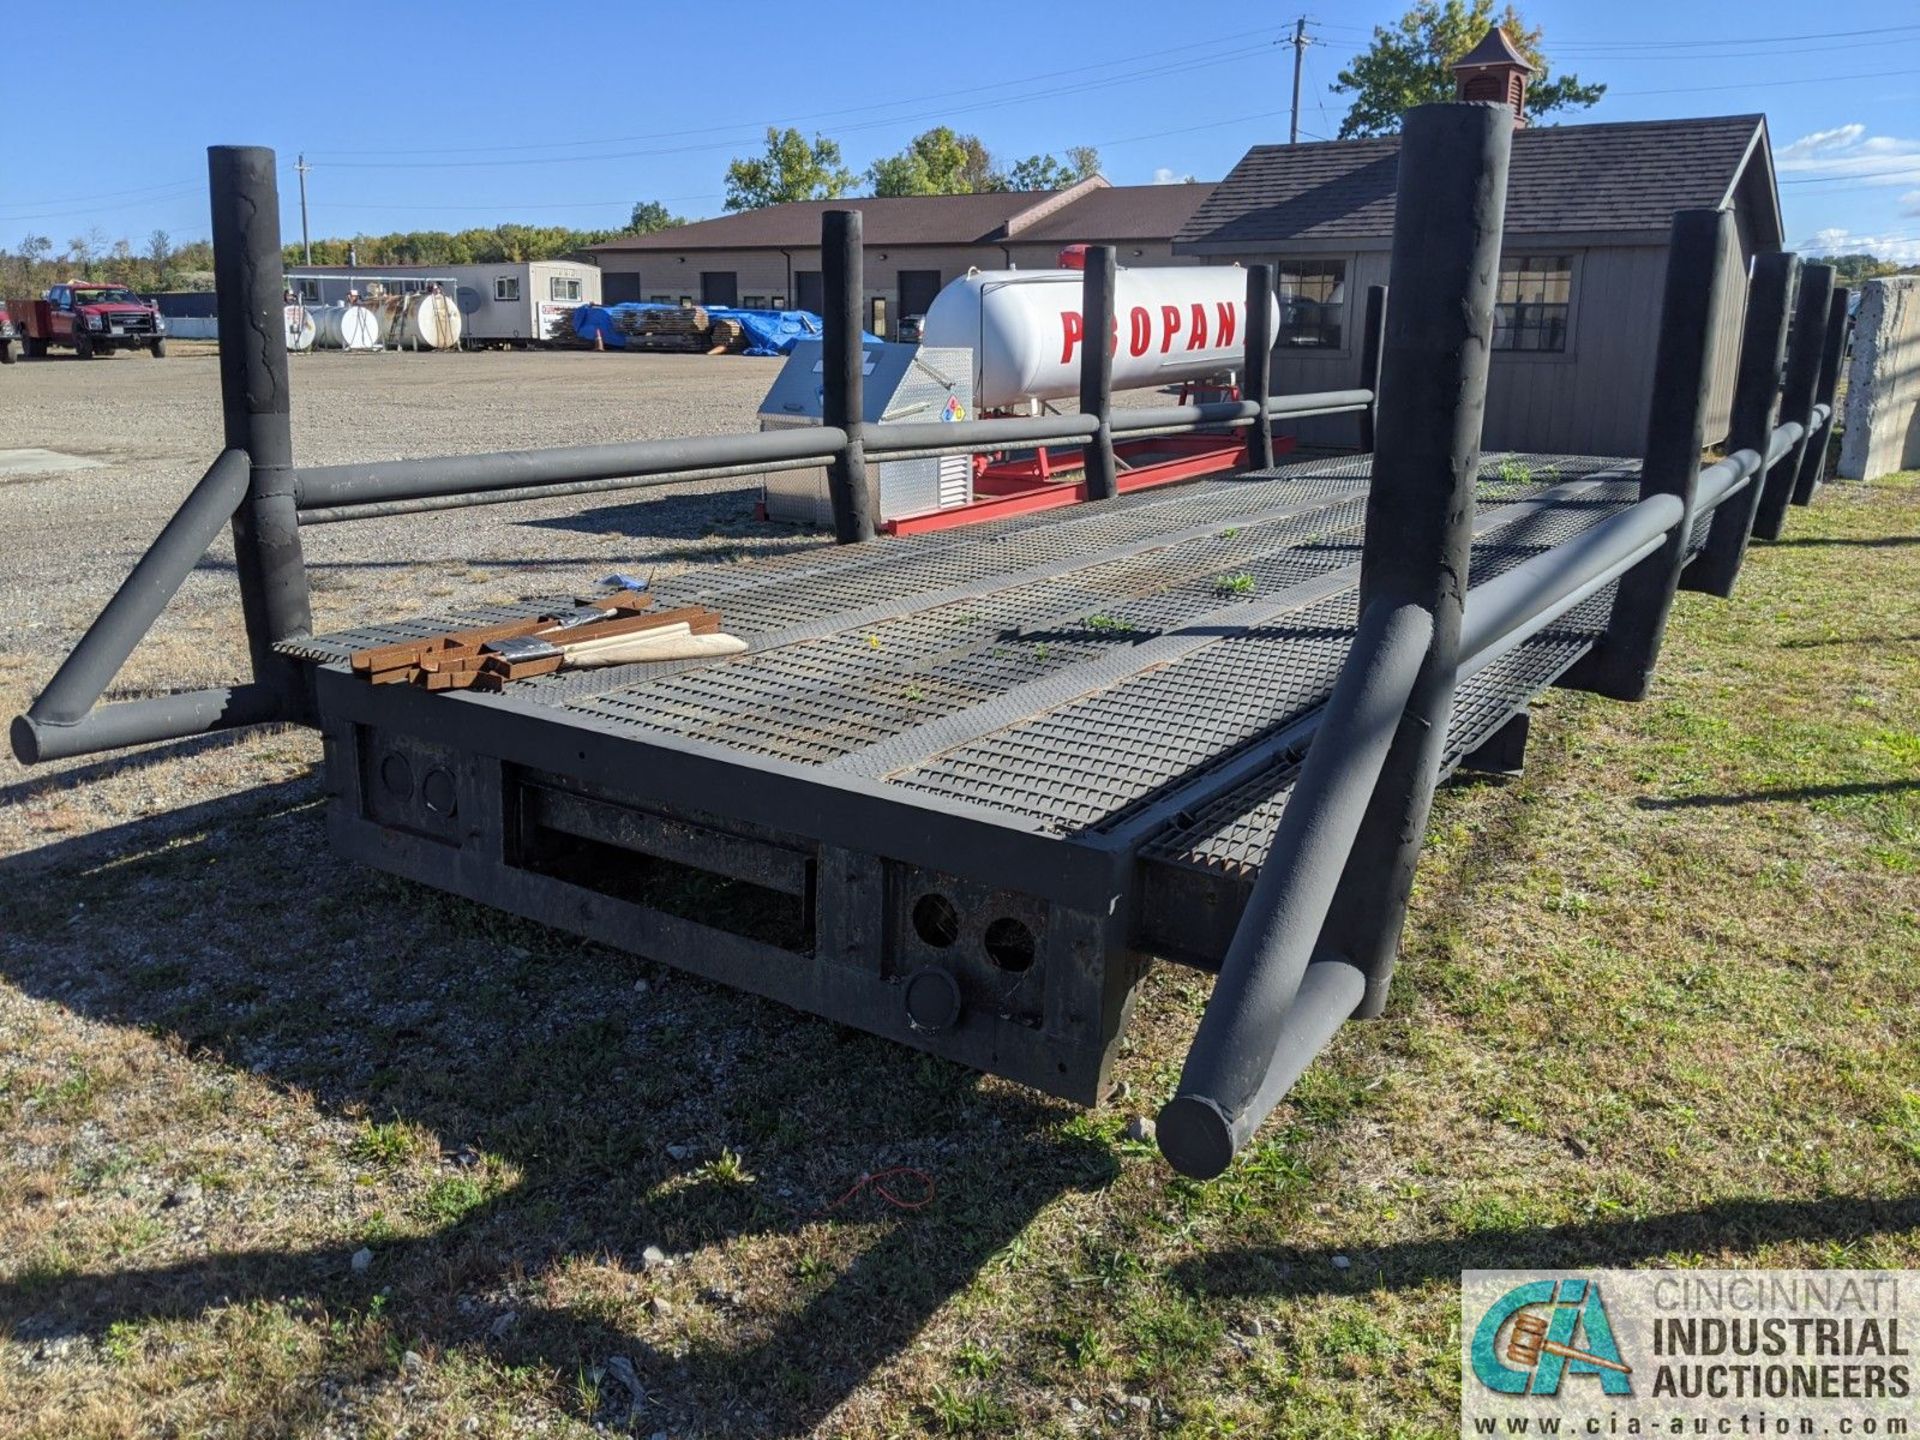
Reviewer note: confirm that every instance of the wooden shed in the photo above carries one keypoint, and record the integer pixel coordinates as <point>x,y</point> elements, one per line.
<point>1588,211</point>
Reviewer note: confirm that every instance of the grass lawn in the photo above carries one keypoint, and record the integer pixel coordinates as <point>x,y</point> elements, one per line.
<point>290,1147</point>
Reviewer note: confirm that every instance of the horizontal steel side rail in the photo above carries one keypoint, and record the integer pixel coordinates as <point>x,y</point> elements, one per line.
<point>509,469</point>
<point>1537,591</point>
<point>144,722</point>
<point>334,514</point>
<point>1240,412</point>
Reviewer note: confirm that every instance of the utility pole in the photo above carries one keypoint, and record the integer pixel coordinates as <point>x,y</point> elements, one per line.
<point>1299,43</point>
<point>301,167</point>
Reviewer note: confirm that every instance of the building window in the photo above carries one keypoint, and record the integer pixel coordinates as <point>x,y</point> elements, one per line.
<point>1530,308</point>
<point>310,290</point>
<point>754,302</point>
<point>1313,302</point>
<point>563,287</point>
<point>659,300</point>
<point>506,287</point>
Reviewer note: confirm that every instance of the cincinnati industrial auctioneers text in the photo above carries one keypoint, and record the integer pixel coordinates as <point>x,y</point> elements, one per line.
<point>1844,1355</point>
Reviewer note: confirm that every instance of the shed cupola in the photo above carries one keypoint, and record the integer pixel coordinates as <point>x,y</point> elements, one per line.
<point>1495,70</point>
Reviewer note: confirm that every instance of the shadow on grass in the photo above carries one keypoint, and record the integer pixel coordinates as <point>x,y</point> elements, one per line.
<point>1850,640</point>
<point>49,782</point>
<point>1794,795</point>
<point>382,999</point>
<point>1875,542</point>
<point>1739,1224</point>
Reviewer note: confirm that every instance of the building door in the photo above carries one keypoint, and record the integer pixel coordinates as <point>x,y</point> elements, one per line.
<point>719,287</point>
<point>808,291</point>
<point>917,289</point>
<point>619,286</point>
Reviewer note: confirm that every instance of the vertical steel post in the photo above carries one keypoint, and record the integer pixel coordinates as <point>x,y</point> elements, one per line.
<point>1257,376</point>
<point>1437,339</point>
<point>843,377</point>
<point>248,282</point>
<point>1621,665</point>
<point>1814,461</point>
<point>1756,400</point>
<point>1805,350</point>
<point>1096,368</point>
<point>1370,340</point>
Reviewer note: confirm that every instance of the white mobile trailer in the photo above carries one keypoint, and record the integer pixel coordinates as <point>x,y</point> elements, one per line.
<point>519,302</point>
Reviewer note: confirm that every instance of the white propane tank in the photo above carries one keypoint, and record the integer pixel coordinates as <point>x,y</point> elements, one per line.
<point>430,322</point>
<point>346,327</point>
<point>299,328</point>
<point>1024,328</point>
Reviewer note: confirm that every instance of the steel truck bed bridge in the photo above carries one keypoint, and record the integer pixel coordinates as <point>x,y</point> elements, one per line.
<point>962,787</point>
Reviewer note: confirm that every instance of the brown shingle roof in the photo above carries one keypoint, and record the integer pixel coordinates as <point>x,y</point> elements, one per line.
<point>887,220</point>
<point>1564,179</point>
<point>1122,212</point>
<point>1090,211</point>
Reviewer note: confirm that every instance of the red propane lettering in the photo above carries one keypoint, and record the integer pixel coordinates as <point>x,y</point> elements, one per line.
<point>1169,325</point>
<point>1072,331</point>
<point>1228,318</point>
<point>1197,332</point>
<point>1142,333</point>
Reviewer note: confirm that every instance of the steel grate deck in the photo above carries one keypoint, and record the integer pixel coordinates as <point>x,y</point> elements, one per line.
<point>1068,670</point>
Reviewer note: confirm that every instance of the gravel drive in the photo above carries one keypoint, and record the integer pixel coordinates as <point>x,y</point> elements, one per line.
<point>73,536</point>
<point>153,427</point>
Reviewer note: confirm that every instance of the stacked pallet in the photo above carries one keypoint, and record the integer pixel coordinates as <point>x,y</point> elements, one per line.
<point>680,329</point>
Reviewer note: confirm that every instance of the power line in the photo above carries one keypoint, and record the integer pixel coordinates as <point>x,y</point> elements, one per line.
<point>89,199</point>
<point>1156,72</point>
<point>1911,168</point>
<point>1772,84</point>
<point>181,193</point>
<point>1158,55</point>
<point>1793,54</point>
<point>1716,43</point>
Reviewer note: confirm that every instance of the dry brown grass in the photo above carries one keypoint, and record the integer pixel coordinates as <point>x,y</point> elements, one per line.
<point>1657,1006</point>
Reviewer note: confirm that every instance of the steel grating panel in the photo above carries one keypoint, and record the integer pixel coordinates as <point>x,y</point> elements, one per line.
<point>1065,669</point>
<point>1090,764</point>
<point>1232,834</point>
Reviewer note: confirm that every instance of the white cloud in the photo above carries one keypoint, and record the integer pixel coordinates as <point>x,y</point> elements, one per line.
<point>1904,249</point>
<point>1849,152</point>
<point>1164,176</point>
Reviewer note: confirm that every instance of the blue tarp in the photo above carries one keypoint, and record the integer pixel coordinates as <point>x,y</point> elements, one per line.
<point>769,332</point>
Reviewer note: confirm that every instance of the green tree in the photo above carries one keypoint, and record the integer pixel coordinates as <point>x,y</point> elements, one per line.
<point>650,216</point>
<point>1854,268</point>
<point>1407,65</point>
<point>1048,172</point>
<point>937,162</point>
<point>793,168</point>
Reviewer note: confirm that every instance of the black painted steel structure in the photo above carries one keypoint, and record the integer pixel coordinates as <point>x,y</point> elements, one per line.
<point>962,787</point>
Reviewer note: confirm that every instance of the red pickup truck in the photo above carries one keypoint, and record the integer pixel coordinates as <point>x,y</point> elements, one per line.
<point>91,320</point>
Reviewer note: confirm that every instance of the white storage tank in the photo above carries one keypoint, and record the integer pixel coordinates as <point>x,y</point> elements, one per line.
<point>430,322</point>
<point>1025,331</point>
<point>300,327</point>
<point>346,327</point>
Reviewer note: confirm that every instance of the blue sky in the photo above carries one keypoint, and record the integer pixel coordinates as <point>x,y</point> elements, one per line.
<point>438,116</point>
